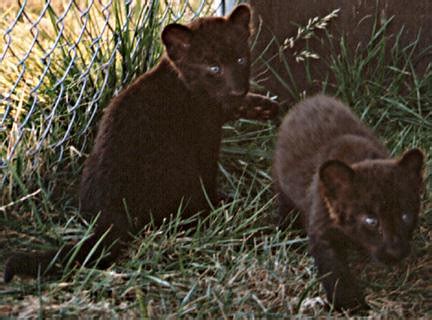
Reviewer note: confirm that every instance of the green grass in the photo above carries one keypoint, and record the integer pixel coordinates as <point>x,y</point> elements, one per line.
<point>240,266</point>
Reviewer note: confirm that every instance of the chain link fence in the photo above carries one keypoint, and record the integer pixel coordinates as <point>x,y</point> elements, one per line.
<point>62,61</point>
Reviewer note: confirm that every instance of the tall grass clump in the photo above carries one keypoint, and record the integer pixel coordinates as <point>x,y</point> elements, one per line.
<point>235,264</point>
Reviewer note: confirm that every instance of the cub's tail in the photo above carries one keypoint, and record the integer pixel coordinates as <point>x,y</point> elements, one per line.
<point>34,264</point>
<point>90,251</point>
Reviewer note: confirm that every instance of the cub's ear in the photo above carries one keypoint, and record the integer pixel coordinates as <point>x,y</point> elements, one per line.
<point>412,161</point>
<point>335,176</point>
<point>241,16</point>
<point>177,40</point>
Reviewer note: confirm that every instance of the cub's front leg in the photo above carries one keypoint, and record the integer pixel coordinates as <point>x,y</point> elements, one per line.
<point>252,106</point>
<point>341,287</point>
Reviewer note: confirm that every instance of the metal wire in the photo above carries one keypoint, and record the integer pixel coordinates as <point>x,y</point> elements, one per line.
<point>60,64</point>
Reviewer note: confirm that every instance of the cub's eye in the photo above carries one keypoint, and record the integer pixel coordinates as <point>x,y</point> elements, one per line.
<point>407,218</point>
<point>215,69</point>
<point>241,60</point>
<point>370,221</point>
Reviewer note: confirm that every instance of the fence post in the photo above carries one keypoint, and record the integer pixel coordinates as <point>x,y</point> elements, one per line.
<point>224,7</point>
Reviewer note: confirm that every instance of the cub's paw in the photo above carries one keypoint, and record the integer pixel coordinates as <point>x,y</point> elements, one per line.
<point>12,267</point>
<point>259,109</point>
<point>349,299</point>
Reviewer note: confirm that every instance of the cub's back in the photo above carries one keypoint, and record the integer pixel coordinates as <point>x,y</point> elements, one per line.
<point>306,136</point>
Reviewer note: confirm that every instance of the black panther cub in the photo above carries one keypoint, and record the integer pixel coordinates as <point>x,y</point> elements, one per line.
<point>158,141</point>
<point>333,169</point>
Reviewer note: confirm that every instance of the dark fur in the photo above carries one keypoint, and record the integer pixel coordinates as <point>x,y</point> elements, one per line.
<point>334,170</point>
<point>158,142</point>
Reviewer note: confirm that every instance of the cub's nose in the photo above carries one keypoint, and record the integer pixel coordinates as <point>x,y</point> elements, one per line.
<point>397,251</point>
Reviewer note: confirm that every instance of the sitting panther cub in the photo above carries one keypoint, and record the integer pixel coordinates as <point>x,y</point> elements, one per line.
<point>158,142</point>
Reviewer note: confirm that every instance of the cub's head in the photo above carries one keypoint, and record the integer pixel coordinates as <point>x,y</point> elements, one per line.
<point>212,54</point>
<point>375,202</point>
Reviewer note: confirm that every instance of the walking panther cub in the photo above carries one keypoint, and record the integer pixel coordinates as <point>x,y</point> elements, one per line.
<point>334,170</point>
